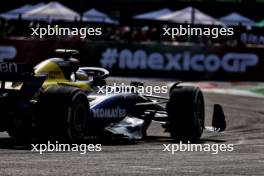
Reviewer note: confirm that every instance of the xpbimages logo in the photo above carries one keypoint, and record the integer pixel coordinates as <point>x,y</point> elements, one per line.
<point>141,89</point>
<point>189,30</point>
<point>57,147</point>
<point>63,31</point>
<point>188,147</point>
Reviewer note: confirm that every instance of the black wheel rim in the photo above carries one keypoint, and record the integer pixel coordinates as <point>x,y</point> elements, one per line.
<point>200,113</point>
<point>79,117</point>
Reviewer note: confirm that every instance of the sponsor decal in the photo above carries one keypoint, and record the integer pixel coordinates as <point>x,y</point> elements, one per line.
<point>183,61</point>
<point>109,112</point>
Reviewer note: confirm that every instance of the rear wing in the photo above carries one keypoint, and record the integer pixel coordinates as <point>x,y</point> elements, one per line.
<point>12,71</point>
<point>16,77</point>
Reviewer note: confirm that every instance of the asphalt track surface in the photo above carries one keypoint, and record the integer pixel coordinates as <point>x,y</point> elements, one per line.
<point>245,120</point>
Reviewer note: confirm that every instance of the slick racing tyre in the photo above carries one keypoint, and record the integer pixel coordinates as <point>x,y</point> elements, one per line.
<point>19,128</point>
<point>63,114</point>
<point>186,113</point>
<point>19,123</point>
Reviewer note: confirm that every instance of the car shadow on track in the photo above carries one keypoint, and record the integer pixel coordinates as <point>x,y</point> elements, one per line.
<point>14,144</point>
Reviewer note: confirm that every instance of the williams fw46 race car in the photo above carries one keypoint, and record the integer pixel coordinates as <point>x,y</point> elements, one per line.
<point>59,100</point>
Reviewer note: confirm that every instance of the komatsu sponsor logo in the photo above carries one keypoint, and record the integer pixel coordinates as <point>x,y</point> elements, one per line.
<point>109,112</point>
<point>8,67</point>
<point>182,61</point>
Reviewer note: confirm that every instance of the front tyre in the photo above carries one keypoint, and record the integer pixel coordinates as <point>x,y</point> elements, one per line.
<point>63,114</point>
<point>186,113</point>
<point>78,118</point>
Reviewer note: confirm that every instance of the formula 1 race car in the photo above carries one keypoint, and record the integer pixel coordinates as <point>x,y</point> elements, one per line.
<point>59,100</point>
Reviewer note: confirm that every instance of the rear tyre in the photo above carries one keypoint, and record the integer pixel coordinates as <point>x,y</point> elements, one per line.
<point>63,114</point>
<point>186,113</point>
<point>20,124</point>
<point>18,128</point>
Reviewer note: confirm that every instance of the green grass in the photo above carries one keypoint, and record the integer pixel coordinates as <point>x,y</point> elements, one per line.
<point>258,90</point>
